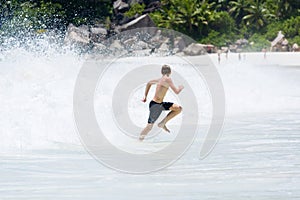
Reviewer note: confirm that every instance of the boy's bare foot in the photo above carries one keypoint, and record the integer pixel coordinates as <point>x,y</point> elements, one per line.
<point>141,138</point>
<point>163,126</point>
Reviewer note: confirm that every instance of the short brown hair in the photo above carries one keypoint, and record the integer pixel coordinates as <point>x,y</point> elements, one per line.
<point>165,69</point>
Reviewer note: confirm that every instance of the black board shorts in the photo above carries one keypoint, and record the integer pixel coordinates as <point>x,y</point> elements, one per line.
<point>156,109</point>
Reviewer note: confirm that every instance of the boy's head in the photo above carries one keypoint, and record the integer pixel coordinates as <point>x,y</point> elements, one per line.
<point>166,70</point>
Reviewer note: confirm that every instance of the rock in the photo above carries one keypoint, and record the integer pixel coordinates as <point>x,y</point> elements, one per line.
<point>120,6</point>
<point>116,48</point>
<point>285,42</point>
<point>179,44</point>
<point>82,30</point>
<point>295,47</point>
<point>99,47</point>
<point>135,44</point>
<point>98,30</point>
<point>73,37</point>
<point>140,22</point>
<point>164,46</point>
<point>98,34</point>
<point>78,35</point>
<point>157,40</point>
<point>124,19</point>
<point>157,37</point>
<point>143,52</point>
<point>176,51</point>
<point>141,45</point>
<point>152,6</point>
<point>194,49</point>
<point>116,45</point>
<point>130,41</point>
<point>233,48</point>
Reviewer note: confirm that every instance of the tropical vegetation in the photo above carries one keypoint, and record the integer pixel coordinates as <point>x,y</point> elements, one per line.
<point>219,22</point>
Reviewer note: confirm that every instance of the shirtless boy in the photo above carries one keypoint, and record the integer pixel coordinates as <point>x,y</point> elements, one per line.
<point>157,105</point>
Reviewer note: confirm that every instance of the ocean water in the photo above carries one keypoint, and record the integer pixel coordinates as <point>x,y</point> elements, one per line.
<point>256,157</point>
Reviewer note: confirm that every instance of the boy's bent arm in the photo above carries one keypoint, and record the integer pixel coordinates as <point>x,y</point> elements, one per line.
<point>148,86</point>
<point>172,86</point>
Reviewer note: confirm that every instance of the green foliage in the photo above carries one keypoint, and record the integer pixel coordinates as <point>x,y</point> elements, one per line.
<point>166,19</point>
<point>295,39</point>
<point>216,38</point>
<point>223,23</point>
<point>5,8</point>
<point>258,15</point>
<point>221,31</point>
<point>18,15</point>
<point>258,42</point>
<point>135,9</point>
<point>272,30</point>
<point>187,16</point>
<point>30,16</point>
<point>283,9</point>
<point>238,10</point>
<point>209,21</point>
<point>291,27</point>
<point>85,11</point>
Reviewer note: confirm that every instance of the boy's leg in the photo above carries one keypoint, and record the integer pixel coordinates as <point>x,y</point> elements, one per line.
<point>175,110</point>
<point>155,111</point>
<point>145,131</point>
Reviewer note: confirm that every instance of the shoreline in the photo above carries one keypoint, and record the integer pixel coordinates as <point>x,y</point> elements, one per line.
<point>255,58</point>
<point>258,58</point>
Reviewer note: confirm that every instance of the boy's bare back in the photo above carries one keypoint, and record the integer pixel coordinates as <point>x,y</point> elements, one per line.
<point>162,87</point>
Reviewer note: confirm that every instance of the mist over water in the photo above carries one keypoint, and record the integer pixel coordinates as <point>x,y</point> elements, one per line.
<point>257,155</point>
<point>37,82</point>
<point>36,95</point>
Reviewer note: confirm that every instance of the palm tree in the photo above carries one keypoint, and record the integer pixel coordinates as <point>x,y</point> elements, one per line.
<point>167,17</point>
<point>257,14</point>
<point>285,8</point>
<point>193,14</point>
<point>185,15</point>
<point>238,9</point>
<point>169,20</point>
<point>221,5</point>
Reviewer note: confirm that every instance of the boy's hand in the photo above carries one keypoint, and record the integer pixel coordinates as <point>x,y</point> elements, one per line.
<point>144,99</point>
<point>180,87</point>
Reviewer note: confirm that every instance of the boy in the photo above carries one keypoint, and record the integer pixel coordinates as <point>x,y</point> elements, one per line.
<point>157,105</point>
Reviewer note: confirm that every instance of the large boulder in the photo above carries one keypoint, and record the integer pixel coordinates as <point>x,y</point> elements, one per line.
<point>77,35</point>
<point>165,46</point>
<point>98,30</point>
<point>194,49</point>
<point>116,48</point>
<point>116,45</point>
<point>179,44</point>
<point>120,6</point>
<point>99,47</point>
<point>135,44</point>
<point>140,22</point>
<point>98,34</point>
